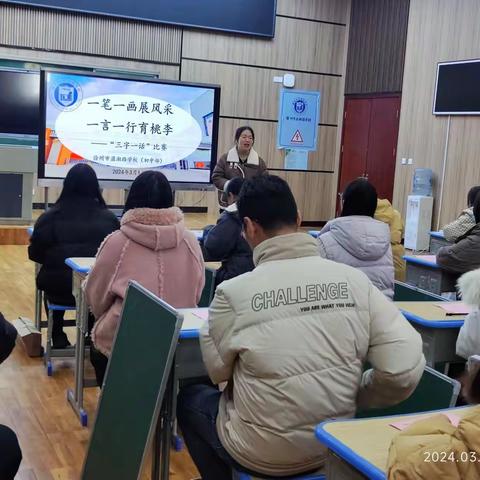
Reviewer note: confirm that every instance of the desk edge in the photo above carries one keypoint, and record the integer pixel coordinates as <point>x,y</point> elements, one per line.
<point>419,261</point>
<point>190,333</point>
<point>74,266</point>
<point>411,317</point>
<point>347,454</point>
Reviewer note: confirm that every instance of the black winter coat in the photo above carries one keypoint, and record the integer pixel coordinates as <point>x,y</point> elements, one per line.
<point>76,228</point>
<point>224,242</point>
<point>8,335</point>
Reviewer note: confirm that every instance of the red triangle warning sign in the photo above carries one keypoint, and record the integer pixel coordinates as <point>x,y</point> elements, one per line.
<point>297,137</point>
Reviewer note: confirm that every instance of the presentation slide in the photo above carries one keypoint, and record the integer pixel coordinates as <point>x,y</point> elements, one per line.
<point>122,127</point>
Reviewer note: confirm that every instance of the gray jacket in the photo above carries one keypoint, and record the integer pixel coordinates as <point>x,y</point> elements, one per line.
<point>363,243</point>
<point>464,255</point>
<point>460,226</point>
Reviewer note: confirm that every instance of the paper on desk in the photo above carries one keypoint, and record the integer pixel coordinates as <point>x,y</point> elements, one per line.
<point>194,318</point>
<point>402,425</point>
<point>201,313</point>
<point>454,308</point>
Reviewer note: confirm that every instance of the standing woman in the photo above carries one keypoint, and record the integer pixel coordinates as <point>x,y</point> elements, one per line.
<point>240,161</point>
<point>74,227</point>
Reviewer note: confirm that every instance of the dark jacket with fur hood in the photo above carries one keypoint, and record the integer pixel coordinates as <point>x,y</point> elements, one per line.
<point>225,243</point>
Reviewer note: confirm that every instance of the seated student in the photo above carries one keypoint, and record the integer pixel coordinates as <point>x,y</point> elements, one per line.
<point>464,222</point>
<point>74,227</point>
<point>291,339</point>
<point>357,239</point>
<point>387,214</point>
<point>434,449</point>
<point>152,247</point>
<point>10,453</point>
<point>464,255</point>
<point>468,341</point>
<point>225,242</point>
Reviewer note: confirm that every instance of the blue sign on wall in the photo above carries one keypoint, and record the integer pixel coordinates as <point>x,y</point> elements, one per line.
<point>298,119</point>
<point>251,17</point>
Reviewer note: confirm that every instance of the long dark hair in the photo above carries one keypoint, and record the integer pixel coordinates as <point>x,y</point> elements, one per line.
<point>359,198</point>
<point>476,208</point>
<point>472,194</point>
<point>150,189</point>
<point>81,183</point>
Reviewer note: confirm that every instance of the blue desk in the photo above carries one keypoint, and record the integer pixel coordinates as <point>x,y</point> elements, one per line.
<point>188,357</point>
<point>437,241</point>
<point>80,268</point>
<point>439,331</point>
<point>423,272</point>
<point>188,364</point>
<point>314,233</point>
<point>358,449</point>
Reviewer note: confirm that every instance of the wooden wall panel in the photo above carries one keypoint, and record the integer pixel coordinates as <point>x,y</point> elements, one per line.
<point>320,45</point>
<point>438,30</point>
<point>337,11</point>
<point>378,33</point>
<point>90,34</point>
<point>167,72</point>
<point>296,181</point>
<point>311,41</point>
<point>251,93</point>
<point>265,143</point>
<point>321,188</point>
<point>463,167</point>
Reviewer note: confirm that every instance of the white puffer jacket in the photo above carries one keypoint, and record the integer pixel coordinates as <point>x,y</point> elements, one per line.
<point>291,338</point>
<point>468,341</point>
<point>363,243</point>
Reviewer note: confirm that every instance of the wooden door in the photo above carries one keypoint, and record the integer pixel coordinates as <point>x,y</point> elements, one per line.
<point>356,124</point>
<point>369,140</point>
<point>382,144</point>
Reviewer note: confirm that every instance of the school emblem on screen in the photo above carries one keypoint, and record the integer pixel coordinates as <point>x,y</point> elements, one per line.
<point>299,105</point>
<point>66,96</point>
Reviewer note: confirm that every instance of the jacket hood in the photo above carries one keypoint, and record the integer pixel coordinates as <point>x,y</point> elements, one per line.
<point>253,158</point>
<point>469,211</point>
<point>384,211</point>
<point>156,229</point>
<point>469,286</point>
<point>283,247</point>
<point>363,237</point>
<point>232,208</point>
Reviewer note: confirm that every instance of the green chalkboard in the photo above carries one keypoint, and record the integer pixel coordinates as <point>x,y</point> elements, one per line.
<point>134,385</point>
<point>409,293</point>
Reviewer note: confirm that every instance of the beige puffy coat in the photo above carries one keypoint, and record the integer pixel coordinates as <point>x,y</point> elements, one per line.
<point>291,338</point>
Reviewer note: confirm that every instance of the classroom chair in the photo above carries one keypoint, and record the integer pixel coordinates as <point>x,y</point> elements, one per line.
<point>245,476</point>
<point>435,391</point>
<point>209,288</point>
<point>51,352</point>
